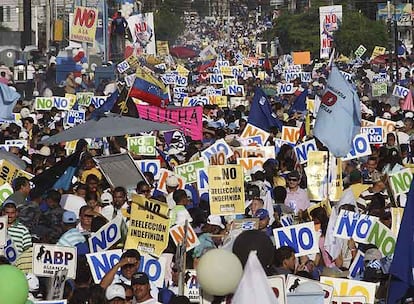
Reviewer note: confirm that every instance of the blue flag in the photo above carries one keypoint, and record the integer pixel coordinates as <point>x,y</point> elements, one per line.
<point>299,105</point>
<point>261,114</point>
<point>339,115</point>
<point>106,107</point>
<point>8,99</point>
<point>403,261</point>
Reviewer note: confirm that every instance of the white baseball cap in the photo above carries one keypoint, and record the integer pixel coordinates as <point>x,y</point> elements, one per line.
<point>215,220</point>
<point>115,291</point>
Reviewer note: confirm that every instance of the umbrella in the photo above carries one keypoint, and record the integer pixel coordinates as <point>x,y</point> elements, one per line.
<point>183,52</point>
<point>13,158</point>
<point>109,125</point>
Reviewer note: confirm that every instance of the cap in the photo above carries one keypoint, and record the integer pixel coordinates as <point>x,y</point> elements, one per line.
<point>386,115</point>
<point>409,115</point>
<point>115,291</point>
<point>172,181</point>
<point>69,217</point>
<point>372,254</point>
<point>44,151</point>
<point>106,198</point>
<point>399,124</point>
<point>8,202</point>
<point>262,214</point>
<point>355,176</point>
<point>24,112</point>
<point>33,282</point>
<point>215,220</point>
<point>364,98</point>
<point>293,174</point>
<point>140,278</point>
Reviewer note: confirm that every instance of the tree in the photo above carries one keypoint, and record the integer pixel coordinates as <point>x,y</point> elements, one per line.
<point>168,22</point>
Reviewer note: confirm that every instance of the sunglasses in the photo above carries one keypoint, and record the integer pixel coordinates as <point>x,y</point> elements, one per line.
<point>146,191</point>
<point>292,179</point>
<point>88,215</point>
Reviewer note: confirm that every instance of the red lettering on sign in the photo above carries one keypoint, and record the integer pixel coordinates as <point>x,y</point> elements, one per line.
<point>86,17</point>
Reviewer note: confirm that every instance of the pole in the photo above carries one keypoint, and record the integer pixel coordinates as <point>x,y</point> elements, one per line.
<point>48,17</point>
<point>397,75</point>
<point>105,30</point>
<point>389,25</point>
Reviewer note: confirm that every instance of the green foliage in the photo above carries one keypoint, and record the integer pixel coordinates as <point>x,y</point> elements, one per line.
<point>168,25</point>
<point>356,29</point>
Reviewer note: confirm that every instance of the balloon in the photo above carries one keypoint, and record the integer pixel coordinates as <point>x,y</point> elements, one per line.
<point>254,240</point>
<point>219,272</point>
<point>13,285</point>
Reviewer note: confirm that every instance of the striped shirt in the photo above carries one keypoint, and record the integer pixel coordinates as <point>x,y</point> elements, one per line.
<point>20,236</point>
<point>72,237</point>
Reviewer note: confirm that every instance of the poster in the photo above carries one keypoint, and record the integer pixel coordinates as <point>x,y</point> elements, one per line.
<point>142,31</point>
<point>330,18</point>
<point>83,27</point>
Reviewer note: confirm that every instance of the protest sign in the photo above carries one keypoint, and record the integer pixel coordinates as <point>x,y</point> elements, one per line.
<point>101,262</point>
<point>216,79</point>
<point>218,159</point>
<point>181,81</point>
<point>74,117</point>
<point>248,163</point>
<point>47,103</point>
<point>20,143</point>
<point>245,224</point>
<point>379,89</point>
<point>375,134</point>
<point>396,216</point>
<point>149,165</point>
<point>188,119</point>
<point>345,287</point>
<point>250,130</point>
<point>252,141</point>
<point>164,173</point>
<point>8,172</point>
<point>218,100</point>
<point>388,125</point>
<point>152,205</point>
<point>346,75</point>
<point>302,150</point>
<point>286,220</point>
<point>277,283</point>
<point>84,98</point>
<point>261,152</point>
<point>202,180</point>
<point>194,101</point>
<point>230,81</point>
<point>382,237</point>
<point>293,280</point>
<point>234,102</point>
<point>162,48</point>
<point>302,238</point>
<point>191,286</point>
<point>357,266</point>
<point>142,145</point>
<point>301,57</point>
<point>360,51</point>
<point>377,51</point>
<point>306,76</point>
<point>290,134</point>
<point>400,181</point>
<point>84,23</point>
<point>98,101</point>
<point>5,191</point>
<point>177,234</point>
<point>123,66</point>
<point>9,251</point>
<point>292,76</point>
<point>349,300</point>
<point>235,90</point>
<point>3,230</point>
<point>367,123</point>
<point>286,88</point>
<point>47,259</point>
<point>400,91</point>
<point>57,285</point>
<point>189,170</point>
<point>219,146</point>
<point>360,147</point>
<point>226,189</point>
<point>106,236</point>
<point>148,231</point>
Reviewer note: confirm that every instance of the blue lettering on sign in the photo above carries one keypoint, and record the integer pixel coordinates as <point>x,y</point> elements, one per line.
<point>152,268</point>
<point>98,101</point>
<point>216,148</point>
<point>303,149</point>
<point>106,237</point>
<point>293,241</point>
<point>216,78</point>
<point>203,179</point>
<point>101,268</point>
<point>344,222</point>
<point>10,252</point>
<point>359,146</point>
<point>61,103</point>
<point>357,267</point>
<point>151,167</point>
<point>302,242</point>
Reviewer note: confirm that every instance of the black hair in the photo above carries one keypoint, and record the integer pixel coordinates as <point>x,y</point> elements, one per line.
<point>178,195</point>
<point>283,253</point>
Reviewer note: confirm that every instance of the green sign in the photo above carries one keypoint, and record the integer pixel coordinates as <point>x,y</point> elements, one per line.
<point>5,191</point>
<point>84,98</point>
<point>360,51</point>
<point>189,170</point>
<point>43,103</point>
<point>400,182</point>
<point>142,145</point>
<point>379,89</point>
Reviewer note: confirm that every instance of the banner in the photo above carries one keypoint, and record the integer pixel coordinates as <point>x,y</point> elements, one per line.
<point>177,234</point>
<point>142,145</point>
<point>226,189</point>
<point>106,236</point>
<point>83,27</point>
<point>302,238</point>
<point>48,259</point>
<point>293,280</point>
<point>142,31</point>
<point>330,18</point>
<point>101,262</point>
<point>189,119</point>
<point>189,170</point>
<point>47,103</point>
<point>147,231</point>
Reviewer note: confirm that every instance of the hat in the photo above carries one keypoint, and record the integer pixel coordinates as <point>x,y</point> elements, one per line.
<point>409,115</point>
<point>33,282</point>
<point>262,214</point>
<point>44,151</point>
<point>69,217</point>
<point>399,124</point>
<point>23,135</point>
<point>172,181</point>
<point>215,220</point>
<point>24,112</point>
<point>355,176</point>
<point>386,115</point>
<point>364,98</point>
<point>293,174</point>
<point>140,278</point>
<point>372,254</point>
<point>8,202</point>
<point>315,84</point>
<point>106,198</point>
<point>115,291</point>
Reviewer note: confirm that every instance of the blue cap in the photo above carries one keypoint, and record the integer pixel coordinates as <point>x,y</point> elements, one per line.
<point>262,214</point>
<point>69,217</point>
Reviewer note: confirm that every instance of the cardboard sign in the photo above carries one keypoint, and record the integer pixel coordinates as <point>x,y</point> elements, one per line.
<point>400,91</point>
<point>360,51</point>
<point>302,150</point>
<point>177,234</point>
<point>230,81</point>
<point>57,285</point>
<point>191,286</point>
<point>3,230</point>
<point>286,220</point>
<point>98,101</point>
<point>219,146</point>
<point>245,224</point>
<point>349,300</point>
<point>83,27</point>
<point>248,163</point>
<point>20,143</point>
<point>194,101</point>
<point>345,287</point>
<point>250,130</point>
<point>218,159</point>
<point>302,238</point>
<point>47,103</point>
<point>400,181</point>
<point>218,100</point>
<point>216,79</point>
<point>252,141</point>
<point>328,290</point>
<point>147,231</point>
<point>101,262</point>
<point>8,172</point>
<point>235,90</point>
<point>388,125</point>
<point>164,173</point>
<point>107,236</point>
<point>379,89</point>
<point>142,145</point>
<point>5,191</point>
<point>181,81</point>
<point>261,152</point>
<point>189,170</point>
<point>360,147</point>
<point>375,134</point>
<point>357,266</point>
<point>277,283</point>
<point>377,51</point>
<point>47,259</point>
<point>290,134</point>
<point>286,88</point>
<point>9,251</point>
<point>367,123</point>
<point>149,165</point>
<point>396,216</point>
<point>74,117</point>
<point>226,189</point>
<point>122,67</point>
<point>84,98</point>
<point>202,180</point>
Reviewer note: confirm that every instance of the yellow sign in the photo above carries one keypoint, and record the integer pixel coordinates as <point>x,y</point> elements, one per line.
<point>226,189</point>
<point>227,71</point>
<point>182,70</point>
<point>152,205</point>
<point>250,130</point>
<point>162,48</point>
<point>147,232</point>
<point>220,101</point>
<point>71,98</point>
<point>83,27</point>
<point>378,50</point>
<point>396,216</point>
<point>8,172</point>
